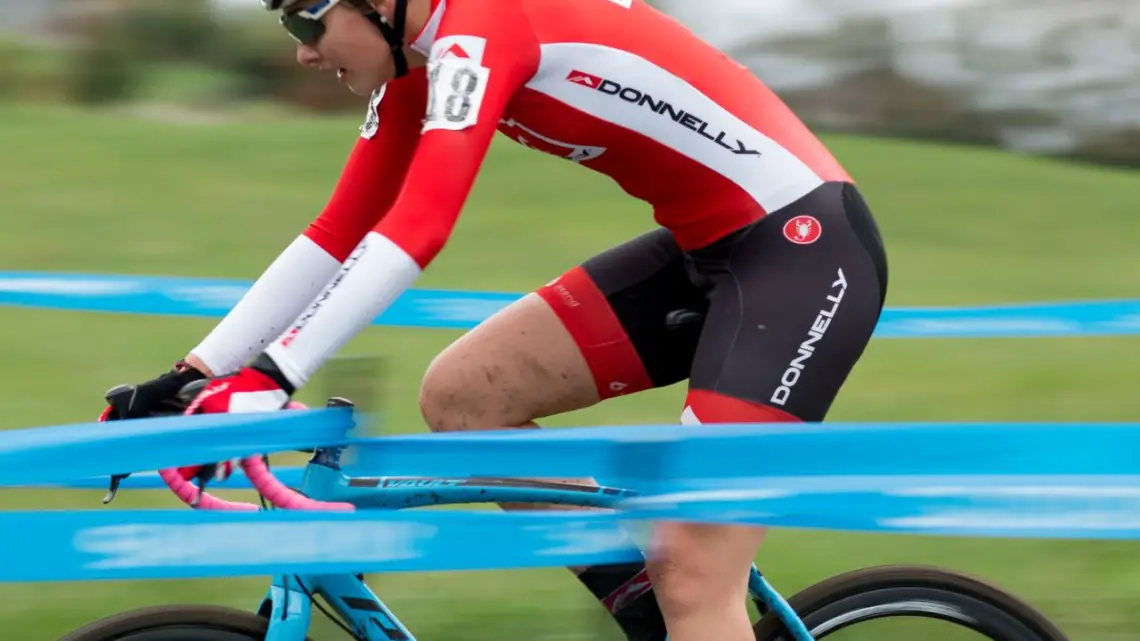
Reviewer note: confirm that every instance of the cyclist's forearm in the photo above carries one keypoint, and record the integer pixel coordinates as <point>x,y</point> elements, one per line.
<point>282,292</point>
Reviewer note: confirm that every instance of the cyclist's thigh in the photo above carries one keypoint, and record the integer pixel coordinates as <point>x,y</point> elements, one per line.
<point>595,332</point>
<point>516,366</point>
<point>616,308</point>
<point>794,302</point>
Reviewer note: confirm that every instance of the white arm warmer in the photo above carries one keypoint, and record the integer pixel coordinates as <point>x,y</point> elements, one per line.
<point>286,288</point>
<point>373,277</point>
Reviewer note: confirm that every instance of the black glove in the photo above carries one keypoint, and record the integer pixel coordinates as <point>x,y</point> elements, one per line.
<point>165,395</point>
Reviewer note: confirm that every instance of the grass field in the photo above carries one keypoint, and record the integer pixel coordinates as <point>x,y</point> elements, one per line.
<point>91,192</point>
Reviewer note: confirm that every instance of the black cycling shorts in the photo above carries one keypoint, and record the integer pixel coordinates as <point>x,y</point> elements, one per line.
<point>777,313</point>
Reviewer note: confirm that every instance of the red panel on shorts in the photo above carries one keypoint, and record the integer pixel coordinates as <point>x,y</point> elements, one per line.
<point>586,314</point>
<point>706,406</point>
<point>628,592</point>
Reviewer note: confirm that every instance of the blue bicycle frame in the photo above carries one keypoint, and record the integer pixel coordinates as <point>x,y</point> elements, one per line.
<point>288,603</point>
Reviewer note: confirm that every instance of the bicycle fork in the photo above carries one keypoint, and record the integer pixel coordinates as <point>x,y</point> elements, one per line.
<point>288,608</point>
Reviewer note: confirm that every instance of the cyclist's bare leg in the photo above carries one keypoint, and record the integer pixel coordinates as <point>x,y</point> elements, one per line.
<point>700,574</point>
<point>598,331</point>
<point>518,365</point>
<point>700,571</point>
<point>523,364</point>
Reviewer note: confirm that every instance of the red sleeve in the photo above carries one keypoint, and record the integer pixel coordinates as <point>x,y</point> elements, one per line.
<point>484,53</point>
<point>376,167</point>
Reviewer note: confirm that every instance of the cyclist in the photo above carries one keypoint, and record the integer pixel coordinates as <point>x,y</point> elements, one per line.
<point>762,242</point>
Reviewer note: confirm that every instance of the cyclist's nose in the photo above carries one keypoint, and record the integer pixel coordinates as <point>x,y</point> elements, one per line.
<point>307,56</point>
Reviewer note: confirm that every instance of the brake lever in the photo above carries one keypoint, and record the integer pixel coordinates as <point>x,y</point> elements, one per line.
<point>201,479</point>
<point>117,393</point>
<point>116,479</point>
<point>111,396</point>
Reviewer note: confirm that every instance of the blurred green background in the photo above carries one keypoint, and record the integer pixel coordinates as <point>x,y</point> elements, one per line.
<point>158,140</point>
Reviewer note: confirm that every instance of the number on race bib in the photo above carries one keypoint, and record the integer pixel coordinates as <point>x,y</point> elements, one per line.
<point>455,94</point>
<point>458,104</point>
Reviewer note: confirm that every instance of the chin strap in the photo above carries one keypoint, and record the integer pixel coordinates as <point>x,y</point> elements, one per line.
<point>394,35</point>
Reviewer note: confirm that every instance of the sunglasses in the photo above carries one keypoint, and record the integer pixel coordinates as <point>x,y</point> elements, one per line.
<point>306,25</point>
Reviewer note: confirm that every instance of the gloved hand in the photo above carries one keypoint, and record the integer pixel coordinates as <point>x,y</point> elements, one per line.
<point>258,387</point>
<point>156,397</point>
<point>166,395</point>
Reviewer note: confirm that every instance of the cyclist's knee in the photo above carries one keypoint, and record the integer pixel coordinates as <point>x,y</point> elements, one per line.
<point>698,568</point>
<point>466,389</point>
<point>456,393</point>
<point>521,364</point>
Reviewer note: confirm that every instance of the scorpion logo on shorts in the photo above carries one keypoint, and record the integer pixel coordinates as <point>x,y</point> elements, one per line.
<point>802,230</point>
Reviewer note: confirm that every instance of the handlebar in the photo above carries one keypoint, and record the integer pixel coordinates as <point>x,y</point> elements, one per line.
<point>263,481</point>
<point>255,469</point>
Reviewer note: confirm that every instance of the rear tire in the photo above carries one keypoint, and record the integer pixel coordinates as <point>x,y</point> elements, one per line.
<point>175,623</point>
<point>911,591</point>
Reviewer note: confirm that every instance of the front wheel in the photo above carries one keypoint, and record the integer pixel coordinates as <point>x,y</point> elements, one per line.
<point>911,592</point>
<point>175,623</point>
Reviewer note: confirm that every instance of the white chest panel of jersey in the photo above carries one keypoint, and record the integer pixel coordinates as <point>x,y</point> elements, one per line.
<point>626,90</point>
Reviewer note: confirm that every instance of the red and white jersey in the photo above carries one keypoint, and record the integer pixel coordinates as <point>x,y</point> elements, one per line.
<point>613,85</point>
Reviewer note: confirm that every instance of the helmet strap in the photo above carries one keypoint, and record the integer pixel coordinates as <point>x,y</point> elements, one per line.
<point>394,34</point>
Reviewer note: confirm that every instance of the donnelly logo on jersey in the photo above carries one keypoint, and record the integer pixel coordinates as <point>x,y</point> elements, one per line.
<point>662,107</point>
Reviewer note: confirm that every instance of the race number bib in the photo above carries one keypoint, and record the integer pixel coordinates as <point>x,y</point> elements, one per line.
<point>455,93</point>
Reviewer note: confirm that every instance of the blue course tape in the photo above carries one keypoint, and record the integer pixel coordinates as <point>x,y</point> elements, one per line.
<point>1025,480</point>
<point>141,544</point>
<point>444,309</point>
<point>1086,318</point>
<point>148,544</point>
<point>641,456</point>
<point>1038,506</point>
<point>290,476</point>
<point>645,458</point>
<point>170,296</point>
<point>51,454</point>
